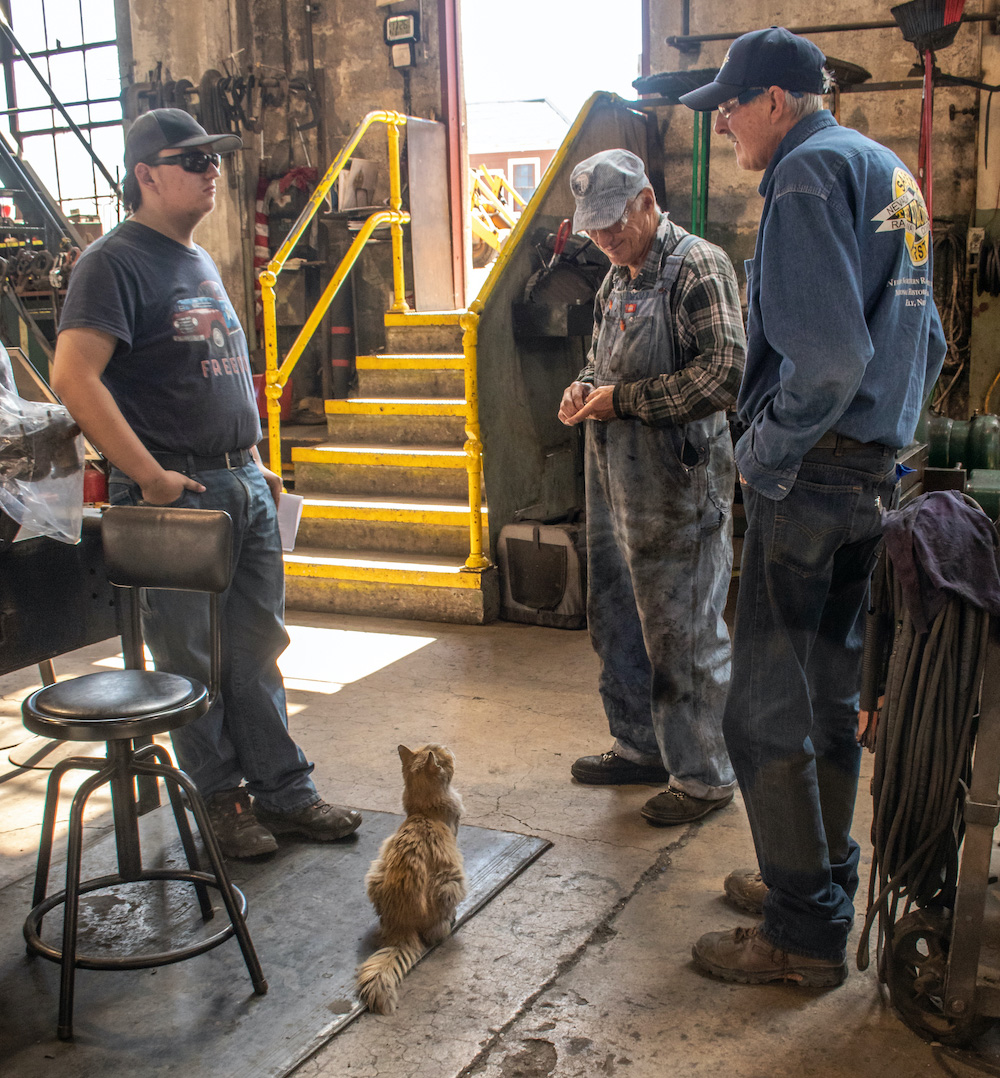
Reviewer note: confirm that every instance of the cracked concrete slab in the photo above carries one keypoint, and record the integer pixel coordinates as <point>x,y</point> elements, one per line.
<point>581,967</point>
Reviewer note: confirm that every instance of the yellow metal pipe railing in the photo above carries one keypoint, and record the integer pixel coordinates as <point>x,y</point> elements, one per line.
<point>275,377</point>
<point>473,443</point>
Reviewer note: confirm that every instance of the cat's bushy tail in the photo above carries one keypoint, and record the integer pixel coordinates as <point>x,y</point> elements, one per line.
<point>379,976</point>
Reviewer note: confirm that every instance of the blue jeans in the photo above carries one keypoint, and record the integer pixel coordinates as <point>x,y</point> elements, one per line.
<point>791,715</point>
<point>245,733</point>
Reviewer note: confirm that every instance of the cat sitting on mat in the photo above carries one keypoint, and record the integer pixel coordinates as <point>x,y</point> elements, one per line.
<point>417,880</point>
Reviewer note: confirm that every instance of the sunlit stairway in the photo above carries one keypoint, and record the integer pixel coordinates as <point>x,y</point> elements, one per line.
<point>385,523</point>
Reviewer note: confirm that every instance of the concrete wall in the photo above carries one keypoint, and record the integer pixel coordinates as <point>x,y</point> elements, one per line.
<point>336,46</point>
<point>206,35</point>
<point>892,117</point>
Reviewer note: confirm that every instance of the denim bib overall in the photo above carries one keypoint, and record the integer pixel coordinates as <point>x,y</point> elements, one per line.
<point>659,544</point>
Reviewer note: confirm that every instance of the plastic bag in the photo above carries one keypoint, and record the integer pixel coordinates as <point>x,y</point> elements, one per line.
<point>41,464</point>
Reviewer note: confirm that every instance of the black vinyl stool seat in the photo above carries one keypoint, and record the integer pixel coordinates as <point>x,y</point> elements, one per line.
<point>144,547</point>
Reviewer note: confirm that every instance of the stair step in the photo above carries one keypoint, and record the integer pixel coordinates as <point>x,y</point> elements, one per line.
<point>399,585</point>
<point>383,470</point>
<point>422,375</point>
<point>400,406</point>
<point>400,421</point>
<point>324,563</point>
<point>395,510</point>
<point>423,332</point>
<point>432,528</point>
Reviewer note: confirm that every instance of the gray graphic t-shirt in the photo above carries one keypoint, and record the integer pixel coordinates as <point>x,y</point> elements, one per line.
<point>180,372</point>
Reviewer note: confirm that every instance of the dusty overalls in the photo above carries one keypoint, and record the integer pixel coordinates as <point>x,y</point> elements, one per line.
<point>659,547</point>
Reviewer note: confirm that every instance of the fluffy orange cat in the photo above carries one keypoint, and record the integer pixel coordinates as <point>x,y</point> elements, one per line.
<point>417,880</point>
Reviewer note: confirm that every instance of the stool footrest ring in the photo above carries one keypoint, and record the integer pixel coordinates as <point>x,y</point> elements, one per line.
<point>123,962</point>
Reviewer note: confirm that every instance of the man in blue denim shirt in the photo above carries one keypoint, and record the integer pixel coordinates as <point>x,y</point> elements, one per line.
<point>844,344</point>
<point>152,363</point>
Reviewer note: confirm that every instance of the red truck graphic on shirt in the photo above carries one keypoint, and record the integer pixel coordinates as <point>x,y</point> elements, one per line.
<point>201,319</point>
<point>208,316</point>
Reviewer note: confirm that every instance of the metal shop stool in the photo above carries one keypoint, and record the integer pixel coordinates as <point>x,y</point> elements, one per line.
<point>144,547</point>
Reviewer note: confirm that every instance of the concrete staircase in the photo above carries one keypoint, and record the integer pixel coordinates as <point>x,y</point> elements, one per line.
<point>385,523</point>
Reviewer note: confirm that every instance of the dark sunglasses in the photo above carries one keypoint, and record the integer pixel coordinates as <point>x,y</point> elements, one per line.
<point>191,161</point>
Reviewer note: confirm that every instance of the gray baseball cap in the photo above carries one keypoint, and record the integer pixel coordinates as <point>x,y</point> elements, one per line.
<point>603,185</point>
<point>167,129</point>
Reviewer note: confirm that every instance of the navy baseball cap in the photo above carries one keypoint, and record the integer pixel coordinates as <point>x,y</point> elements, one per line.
<point>168,129</point>
<point>771,57</point>
<point>603,185</point>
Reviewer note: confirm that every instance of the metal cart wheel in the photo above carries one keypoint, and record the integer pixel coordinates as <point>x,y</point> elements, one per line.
<point>916,968</point>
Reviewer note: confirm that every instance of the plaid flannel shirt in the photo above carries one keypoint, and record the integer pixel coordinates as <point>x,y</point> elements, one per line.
<point>709,337</point>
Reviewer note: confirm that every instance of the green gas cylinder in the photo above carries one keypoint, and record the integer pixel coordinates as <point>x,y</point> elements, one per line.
<point>958,447</point>
<point>984,442</point>
<point>938,440</point>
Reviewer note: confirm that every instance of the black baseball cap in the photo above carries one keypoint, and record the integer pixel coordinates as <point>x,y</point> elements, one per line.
<point>167,129</point>
<point>771,57</point>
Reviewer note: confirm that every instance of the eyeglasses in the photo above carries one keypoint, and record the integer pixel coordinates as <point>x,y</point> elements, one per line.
<point>613,230</point>
<point>191,161</point>
<point>727,108</point>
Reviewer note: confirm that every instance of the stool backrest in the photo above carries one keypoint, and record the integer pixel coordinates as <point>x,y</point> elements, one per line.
<point>152,546</point>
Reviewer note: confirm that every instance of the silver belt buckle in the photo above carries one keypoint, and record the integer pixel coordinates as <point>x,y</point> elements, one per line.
<point>229,464</point>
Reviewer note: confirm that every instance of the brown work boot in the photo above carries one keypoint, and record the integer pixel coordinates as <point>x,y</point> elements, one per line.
<point>319,821</point>
<point>745,889</point>
<point>745,956</point>
<point>239,832</point>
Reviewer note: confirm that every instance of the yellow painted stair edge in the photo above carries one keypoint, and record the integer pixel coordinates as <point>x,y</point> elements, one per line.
<point>455,408</point>
<point>403,515</point>
<point>343,570</point>
<point>423,361</point>
<point>398,458</point>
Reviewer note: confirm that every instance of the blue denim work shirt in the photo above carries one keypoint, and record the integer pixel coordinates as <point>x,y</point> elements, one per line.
<point>843,334</point>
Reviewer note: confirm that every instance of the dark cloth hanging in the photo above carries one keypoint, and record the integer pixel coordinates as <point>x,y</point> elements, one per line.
<point>943,544</point>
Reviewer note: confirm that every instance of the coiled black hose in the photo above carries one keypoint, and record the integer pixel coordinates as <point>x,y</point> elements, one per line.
<point>923,759</point>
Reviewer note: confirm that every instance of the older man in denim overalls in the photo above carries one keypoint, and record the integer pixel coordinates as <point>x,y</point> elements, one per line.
<point>666,361</point>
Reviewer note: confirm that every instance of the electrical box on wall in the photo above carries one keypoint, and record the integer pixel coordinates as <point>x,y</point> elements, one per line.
<point>402,54</point>
<point>401,33</point>
<point>400,29</point>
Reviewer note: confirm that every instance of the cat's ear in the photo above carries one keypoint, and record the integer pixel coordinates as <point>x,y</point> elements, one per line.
<point>405,755</point>
<point>432,765</point>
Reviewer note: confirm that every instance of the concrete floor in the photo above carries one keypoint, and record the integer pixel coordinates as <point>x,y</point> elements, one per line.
<point>581,967</point>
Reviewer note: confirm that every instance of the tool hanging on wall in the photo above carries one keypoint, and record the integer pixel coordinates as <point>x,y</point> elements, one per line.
<point>929,25</point>
<point>224,103</point>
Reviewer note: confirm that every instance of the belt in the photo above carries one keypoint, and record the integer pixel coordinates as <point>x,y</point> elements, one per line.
<point>843,444</point>
<point>188,462</point>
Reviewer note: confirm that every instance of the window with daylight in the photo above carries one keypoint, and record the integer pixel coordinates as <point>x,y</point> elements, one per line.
<point>524,175</point>
<point>73,45</point>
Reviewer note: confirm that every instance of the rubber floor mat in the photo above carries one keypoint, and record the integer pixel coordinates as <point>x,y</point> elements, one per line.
<point>311,924</point>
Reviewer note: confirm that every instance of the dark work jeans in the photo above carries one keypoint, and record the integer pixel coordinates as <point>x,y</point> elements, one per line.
<point>791,714</point>
<point>245,733</point>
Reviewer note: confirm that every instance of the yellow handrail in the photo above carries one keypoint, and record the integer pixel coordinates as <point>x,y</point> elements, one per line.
<point>276,378</point>
<point>473,443</point>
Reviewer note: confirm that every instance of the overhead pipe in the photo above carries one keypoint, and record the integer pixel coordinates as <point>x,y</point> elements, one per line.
<point>692,42</point>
